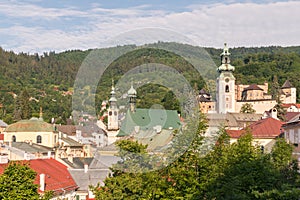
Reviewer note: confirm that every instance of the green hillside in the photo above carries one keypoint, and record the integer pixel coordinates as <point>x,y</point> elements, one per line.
<point>28,82</point>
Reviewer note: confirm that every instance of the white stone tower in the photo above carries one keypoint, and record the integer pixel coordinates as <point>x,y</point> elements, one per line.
<point>225,84</point>
<point>132,98</point>
<point>113,111</point>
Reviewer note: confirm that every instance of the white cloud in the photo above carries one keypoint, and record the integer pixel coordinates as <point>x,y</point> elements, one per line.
<point>239,24</point>
<point>16,9</point>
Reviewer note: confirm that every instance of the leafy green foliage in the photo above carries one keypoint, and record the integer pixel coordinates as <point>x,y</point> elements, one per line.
<point>247,108</point>
<point>17,182</point>
<point>231,171</point>
<point>46,77</point>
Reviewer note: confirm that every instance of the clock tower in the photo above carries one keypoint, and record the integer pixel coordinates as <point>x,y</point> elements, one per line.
<point>225,84</point>
<point>113,111</point>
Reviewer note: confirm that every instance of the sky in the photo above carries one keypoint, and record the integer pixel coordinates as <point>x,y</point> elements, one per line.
<point>37,26</point>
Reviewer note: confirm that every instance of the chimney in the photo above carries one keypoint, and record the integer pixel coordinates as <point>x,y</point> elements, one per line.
<point>86,168</point>
<point>274,113</point>
<point>42,182</point>
<point>49,154</point>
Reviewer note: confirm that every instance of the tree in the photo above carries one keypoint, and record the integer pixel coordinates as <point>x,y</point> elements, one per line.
<point>17,182</point>
<point>247,108</point>
<point>230,171</point>
<point>243,172</point>
<point>22,106</point>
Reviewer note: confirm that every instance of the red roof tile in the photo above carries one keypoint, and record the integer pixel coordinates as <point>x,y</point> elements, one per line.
<point>265,128</point>
<point>287,105</point>
<point>253,87</point>
<point>57,176</point>
<point>234,133</point>
<point>67,129</point>
<point>291,115</point>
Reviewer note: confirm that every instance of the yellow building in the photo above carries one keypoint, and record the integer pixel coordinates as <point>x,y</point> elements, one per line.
<point>32,131</point>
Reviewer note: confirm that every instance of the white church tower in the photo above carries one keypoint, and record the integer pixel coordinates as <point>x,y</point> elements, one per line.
<point>225,84</point>
<point>113,111</point>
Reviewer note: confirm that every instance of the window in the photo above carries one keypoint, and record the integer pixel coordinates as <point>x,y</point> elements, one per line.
<point>38,139</point>
<point>13,138</point>
<point>110,113</point>
<point>227,88</point>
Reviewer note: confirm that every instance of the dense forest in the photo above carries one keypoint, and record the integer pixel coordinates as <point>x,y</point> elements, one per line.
<point>31,82</point>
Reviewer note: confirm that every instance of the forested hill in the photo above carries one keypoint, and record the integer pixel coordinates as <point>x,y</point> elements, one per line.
<point>28,82</point>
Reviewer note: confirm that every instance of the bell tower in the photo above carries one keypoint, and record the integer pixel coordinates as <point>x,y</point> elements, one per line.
<point>113,111</point>
<point>225,84</point>
<point>132,98</point>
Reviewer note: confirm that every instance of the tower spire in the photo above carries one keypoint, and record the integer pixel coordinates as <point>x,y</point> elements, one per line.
<point>225,60</point>
<point>113,112</point>
<point>132,97</point>
<point>225,84</point>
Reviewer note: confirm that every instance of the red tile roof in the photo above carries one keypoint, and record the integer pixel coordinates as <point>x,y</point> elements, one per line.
<point>287,105</point>
<point>67,129</point>
<point>234,133</point>
<point>291,115</point>
<point>265,128</point>
<point>253,87</point>
<point>57,177</point>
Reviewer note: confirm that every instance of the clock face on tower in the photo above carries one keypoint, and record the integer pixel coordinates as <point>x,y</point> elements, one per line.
<point>227,80</point>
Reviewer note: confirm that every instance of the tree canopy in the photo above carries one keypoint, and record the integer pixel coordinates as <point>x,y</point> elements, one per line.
<point>230,171</point>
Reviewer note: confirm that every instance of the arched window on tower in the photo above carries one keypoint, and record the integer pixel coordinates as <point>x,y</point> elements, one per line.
<point>227,88</point>
<point>38,139</point>
<point>13,138</point>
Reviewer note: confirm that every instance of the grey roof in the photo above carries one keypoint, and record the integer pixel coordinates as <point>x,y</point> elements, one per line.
<point>231,119</point>
<point>201,98</point>
<point>31,148</point>
<point>91,177</point>
<point>287,84</point>
<point>203,91</point>
<point>251,117</point>
<point>3,124</point>
<point>89,129</point>
<point>103,161</point>
<point>70,142</point>
<point>78,162</point>
<point>111,147</point>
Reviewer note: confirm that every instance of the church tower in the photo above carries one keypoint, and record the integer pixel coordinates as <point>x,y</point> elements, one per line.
<point>132,98</point>
<point>225,84</point>
<point>113,111</point>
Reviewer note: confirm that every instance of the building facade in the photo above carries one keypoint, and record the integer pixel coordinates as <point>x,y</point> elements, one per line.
<point>230,97</point>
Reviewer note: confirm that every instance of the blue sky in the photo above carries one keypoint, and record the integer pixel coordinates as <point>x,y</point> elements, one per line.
<point>58,25</point>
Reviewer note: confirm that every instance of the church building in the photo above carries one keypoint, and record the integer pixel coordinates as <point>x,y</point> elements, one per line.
<point>231,97</point>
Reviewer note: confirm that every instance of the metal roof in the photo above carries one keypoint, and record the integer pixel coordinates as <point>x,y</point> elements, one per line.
<point>147,119</point>
<point>32,125</point>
